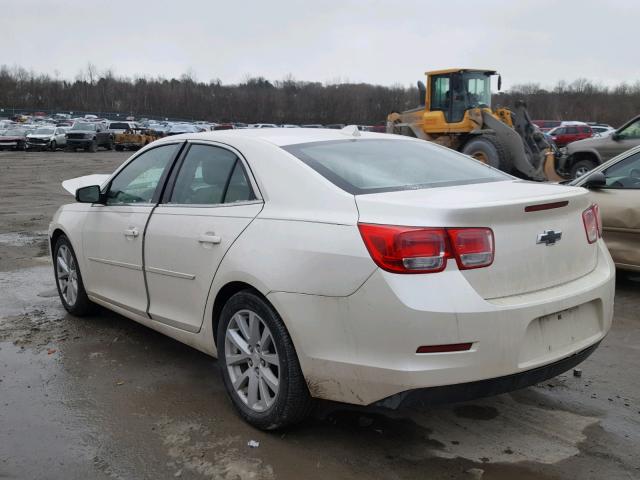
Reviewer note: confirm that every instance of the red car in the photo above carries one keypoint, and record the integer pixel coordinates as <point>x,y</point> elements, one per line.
<point>570,132</point>
<point>546,125</point>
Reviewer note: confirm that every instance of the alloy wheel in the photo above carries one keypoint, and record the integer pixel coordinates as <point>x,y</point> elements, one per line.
<point>252,360</point>
<point>67,273</point>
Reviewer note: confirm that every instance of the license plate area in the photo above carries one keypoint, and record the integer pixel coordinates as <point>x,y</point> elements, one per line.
<point>560,333</point>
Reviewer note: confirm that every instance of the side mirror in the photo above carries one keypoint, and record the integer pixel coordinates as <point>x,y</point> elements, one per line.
<point>595,180</point>
<point>90,194</point>
<point>499,82</point>
<point>615,136</point>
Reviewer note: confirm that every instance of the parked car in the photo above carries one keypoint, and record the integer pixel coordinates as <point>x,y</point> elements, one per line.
<point>312,125</point>
<point>121,127</point>
<point>263,125</point>
<point>180,128</point>
<point>546,125</point>
<point>601,129</point>
<point>615,187</point>
<point>88,136</point>
<point>356,267</point>
<point>587,154</point>
<point>14,138</point>
<point>570,132</point>
<point>134,138</point>
<point>46,137</point>
<point>335,126</point>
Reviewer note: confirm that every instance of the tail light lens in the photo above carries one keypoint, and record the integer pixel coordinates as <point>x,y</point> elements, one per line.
<point>473,247</point>
<point>592,223</point>
<point>406,249</point>
<point>400,249</point>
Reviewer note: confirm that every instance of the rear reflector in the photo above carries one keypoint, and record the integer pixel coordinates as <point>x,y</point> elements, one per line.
<point>545,206</point>
<point>452,347</point>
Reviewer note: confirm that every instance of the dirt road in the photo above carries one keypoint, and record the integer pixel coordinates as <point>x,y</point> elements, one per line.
<point>103,397</point>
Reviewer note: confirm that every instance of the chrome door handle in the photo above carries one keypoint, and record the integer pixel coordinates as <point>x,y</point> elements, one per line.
<point>209,238</point>
<point>131,232</point>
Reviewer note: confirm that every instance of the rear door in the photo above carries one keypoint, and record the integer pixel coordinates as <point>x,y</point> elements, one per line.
<point>209,202</point>
<point>620,209</point>
<point>113,233</point>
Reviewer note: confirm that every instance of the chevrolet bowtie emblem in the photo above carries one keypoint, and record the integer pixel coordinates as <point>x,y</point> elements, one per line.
<point>549,237</point>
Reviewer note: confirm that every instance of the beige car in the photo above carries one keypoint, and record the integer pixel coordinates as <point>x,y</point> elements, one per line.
<point>587,154</point>
<point>615,187</point>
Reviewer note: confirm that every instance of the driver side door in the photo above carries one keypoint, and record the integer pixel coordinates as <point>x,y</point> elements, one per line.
<point>113,232</point>
<point>625,138</point>
<point>619,205</point>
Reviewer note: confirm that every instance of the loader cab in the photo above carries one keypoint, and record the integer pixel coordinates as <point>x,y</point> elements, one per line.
<point>453,92</point>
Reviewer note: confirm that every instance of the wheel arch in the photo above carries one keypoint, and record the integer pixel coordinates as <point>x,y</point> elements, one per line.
<point>582,155</point>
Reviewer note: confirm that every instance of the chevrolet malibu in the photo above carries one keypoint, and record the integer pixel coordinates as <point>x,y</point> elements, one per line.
<point>351,266</point>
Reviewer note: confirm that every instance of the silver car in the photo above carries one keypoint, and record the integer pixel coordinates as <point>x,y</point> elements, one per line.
<point>46,138</point>
<point>585,155</point>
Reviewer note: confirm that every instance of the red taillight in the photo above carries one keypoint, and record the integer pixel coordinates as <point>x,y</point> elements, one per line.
<point>400,249</point>
<point>473,247</point>
<point>406,249</point>
<point>596,210</point>
<point>592,223</point>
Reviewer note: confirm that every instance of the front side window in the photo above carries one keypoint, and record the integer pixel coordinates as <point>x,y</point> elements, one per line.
<point>137,182</point>
<point>624,174</point>
<point>210,175</point>
<point>632,131</point>
<point>371,166</point>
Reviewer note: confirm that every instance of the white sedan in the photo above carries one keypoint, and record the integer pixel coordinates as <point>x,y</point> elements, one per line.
<point>357,267</point>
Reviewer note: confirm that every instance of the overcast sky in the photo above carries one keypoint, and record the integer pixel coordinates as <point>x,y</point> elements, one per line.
<point>381,42</point>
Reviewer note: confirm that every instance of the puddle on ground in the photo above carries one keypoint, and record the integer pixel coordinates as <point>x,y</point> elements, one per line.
<point>23,239</point>
<point>40,434</point>
<point>500,429</point>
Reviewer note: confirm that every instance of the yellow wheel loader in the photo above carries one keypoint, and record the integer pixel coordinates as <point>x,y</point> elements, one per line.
<point>455,111</point>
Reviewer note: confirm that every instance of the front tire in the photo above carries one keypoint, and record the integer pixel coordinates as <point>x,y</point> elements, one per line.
<point>259,364</point>
<point>53,146</point>
<point>582,167</point>
<point>69,280</point>
<point>488,149</point>
<point>93,148</point>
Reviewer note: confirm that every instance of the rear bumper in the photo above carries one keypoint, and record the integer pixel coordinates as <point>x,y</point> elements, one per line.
<point>484,388</point>
<point>361,349</point>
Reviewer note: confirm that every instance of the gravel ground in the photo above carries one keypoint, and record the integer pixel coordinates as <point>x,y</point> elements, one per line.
<point>104,397</point>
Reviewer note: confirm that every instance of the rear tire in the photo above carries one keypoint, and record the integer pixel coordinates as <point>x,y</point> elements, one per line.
<point>487,149</point>
<point>69,280</point>
<point>581,167</point>
<point>119,148</point>
<point>250,365</point>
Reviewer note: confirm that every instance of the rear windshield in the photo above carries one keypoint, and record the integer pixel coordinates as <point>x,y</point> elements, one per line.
<point>372,166</point>
<point>119,126</point>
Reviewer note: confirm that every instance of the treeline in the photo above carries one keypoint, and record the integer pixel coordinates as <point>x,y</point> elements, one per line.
<point>285,101</point>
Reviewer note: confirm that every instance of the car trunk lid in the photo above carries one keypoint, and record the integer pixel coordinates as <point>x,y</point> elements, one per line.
<point>525,258</point>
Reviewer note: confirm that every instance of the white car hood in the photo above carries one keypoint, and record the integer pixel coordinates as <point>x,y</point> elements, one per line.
<point>74,184</point>
<point>33,135</point>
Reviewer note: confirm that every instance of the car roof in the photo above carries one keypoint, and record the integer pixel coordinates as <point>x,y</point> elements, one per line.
<point>282,137</point>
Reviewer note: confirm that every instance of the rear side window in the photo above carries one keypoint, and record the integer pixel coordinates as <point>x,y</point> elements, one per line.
<point>211,175</point>
<point>372,166</point>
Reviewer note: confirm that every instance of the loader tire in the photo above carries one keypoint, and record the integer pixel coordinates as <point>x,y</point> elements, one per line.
<point>488,149</point>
